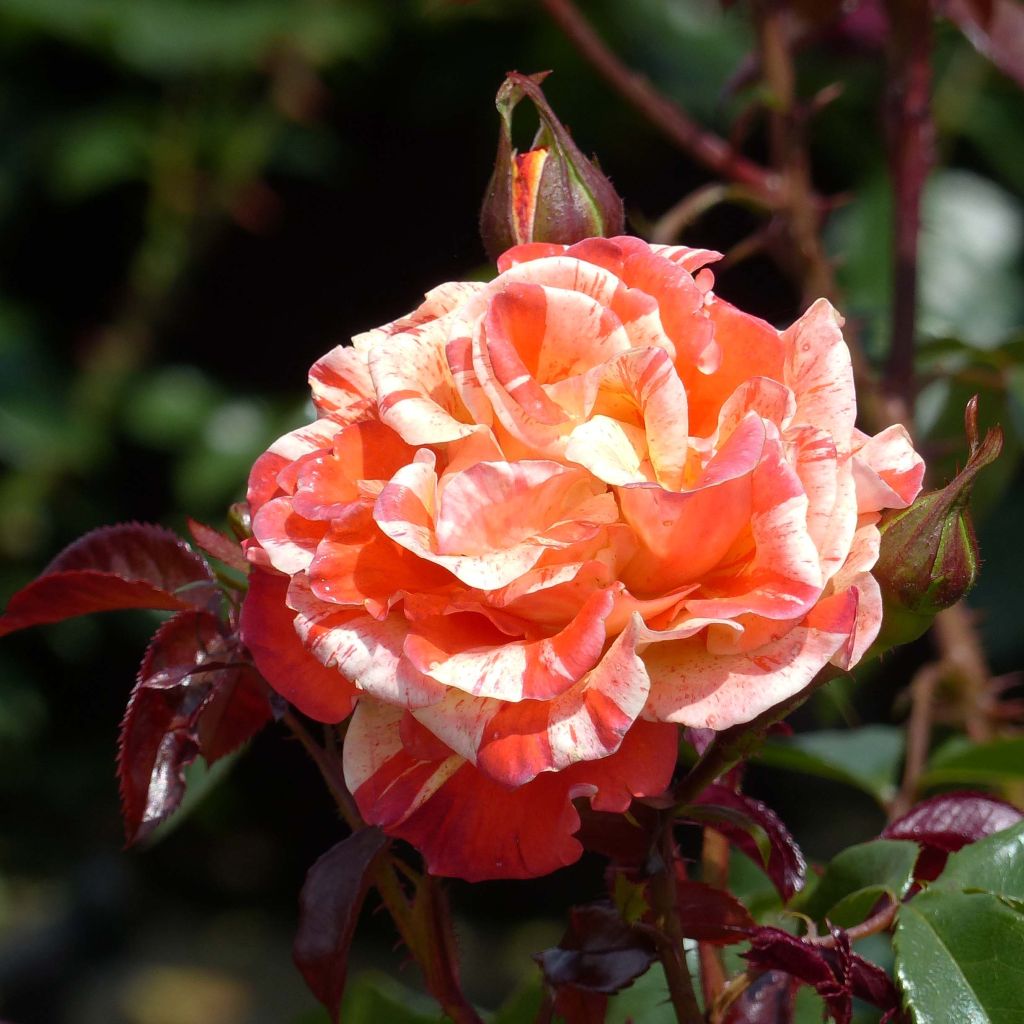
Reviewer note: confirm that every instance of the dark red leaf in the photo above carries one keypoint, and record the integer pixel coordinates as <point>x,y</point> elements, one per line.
<point>576,1006</point>
<point>219,545</point>
<point>835,972</point>
<point>598,953</point>
<point>329,905</point>
<point>995,28</point>
<point>193,695</point>
<point>769,1000</point>
<point>785,864</point>
<point>945,823</point>
<point>239,706</point>
<point>132,565</point>
<point>625,842</point>
<point>710,914</point>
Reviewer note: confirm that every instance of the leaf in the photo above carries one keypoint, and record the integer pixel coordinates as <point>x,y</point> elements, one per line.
<point>132,565</point>
<point>329,904</point>
<point>857,878</point>
<point>624,839</point>
<point>218,545</point>
<point>768,1000</point>
<point>944,824</point>
<point>193,695</point>
<point>867,758</point>
<point>994,864</point>
<point>599,952</point>
<point>992,763</point>
<point>709,914</point>
<point>995,29</point>
<point>960,956</point>
<point>835,972</point>
<point>784,863</point>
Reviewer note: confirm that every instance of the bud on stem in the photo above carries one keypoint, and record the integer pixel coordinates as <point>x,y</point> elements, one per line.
<point>552,192</point>
<point>929,553</point>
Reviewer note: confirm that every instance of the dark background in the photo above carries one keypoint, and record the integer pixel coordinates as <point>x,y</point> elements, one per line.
<point>197,199</point>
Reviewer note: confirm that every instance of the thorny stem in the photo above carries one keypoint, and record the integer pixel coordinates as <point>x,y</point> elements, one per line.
<point>919,730</point>
<point>670,943</point>
<point>424,926</point>
<point>714,871</point>
<point>708,148</point>
<point>910,137</point>
<point>801,207</point>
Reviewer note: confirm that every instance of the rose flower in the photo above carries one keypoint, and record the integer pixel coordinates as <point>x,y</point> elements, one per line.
<point>541,522</point>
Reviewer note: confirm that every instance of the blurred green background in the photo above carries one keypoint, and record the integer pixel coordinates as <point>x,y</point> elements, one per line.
<point>198,198</point>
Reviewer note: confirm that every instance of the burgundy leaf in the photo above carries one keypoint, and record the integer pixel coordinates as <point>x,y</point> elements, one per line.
<point>624,841</point>
<point>710,914</point>
<point>945,823</point>
<point>239,706</point>
<point>768,1000</point>
<point>193,695</point>
<point>329,905</point>
<point>577,1006</point>
<point>219,545</point>
<point>785,864</point>
<point>995,28</point>
<point>598,953</point>
<point>132,565</point>
<point>835,972</point>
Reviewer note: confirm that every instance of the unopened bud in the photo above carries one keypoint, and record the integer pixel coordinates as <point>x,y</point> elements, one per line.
<point>929,553</point>
<point>552,192</point>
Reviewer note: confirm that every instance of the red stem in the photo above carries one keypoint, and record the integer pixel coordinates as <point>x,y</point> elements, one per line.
<point>704,146</point>
<point>911,152</point>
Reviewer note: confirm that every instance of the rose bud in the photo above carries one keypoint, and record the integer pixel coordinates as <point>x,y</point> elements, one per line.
<point>552,192</point>
<point>929,553</point>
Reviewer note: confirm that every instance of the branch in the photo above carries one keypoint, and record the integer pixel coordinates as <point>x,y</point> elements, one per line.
<point>704,146</point>
<point>911,150</point>
<point>671,948</point>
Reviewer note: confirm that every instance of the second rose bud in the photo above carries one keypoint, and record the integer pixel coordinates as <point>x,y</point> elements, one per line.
<point>552,192</point>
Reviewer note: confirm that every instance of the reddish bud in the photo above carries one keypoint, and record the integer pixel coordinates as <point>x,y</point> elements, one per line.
<point>552,192</point>
<point>929,553</point>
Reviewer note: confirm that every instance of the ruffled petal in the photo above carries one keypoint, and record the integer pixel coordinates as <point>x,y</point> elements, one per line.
<point>888,471</point>
<point>268,631</point>
<point>691,686</point>
<point>468,826</point>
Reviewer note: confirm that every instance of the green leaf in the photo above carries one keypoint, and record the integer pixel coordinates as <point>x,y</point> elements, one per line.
<point>373,998</point>
<point>646,1000</point>
<point>960,957</point>
<point>866,758</point>
<point>988,763</point>
<point>856,878</point>
<point>994,865</point>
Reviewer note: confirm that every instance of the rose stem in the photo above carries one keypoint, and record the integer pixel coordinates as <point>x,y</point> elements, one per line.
<point>919,730</point>
<point>431,946</point>
<point>670,944</point>
<point>714,871</point>
<point>911,145</point>
<point>708,148</point>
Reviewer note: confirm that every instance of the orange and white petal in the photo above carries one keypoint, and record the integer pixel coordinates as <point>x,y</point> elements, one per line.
<point>288,539</point>
<point>268,631</point>
<point>365,650</point>
<point>691,686</point>
<point>513,743</point>
<point>341,386</point>
<point>888,471</point>
<point>468,826</point>
<point>460,652</point>
<point>820,374</point>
